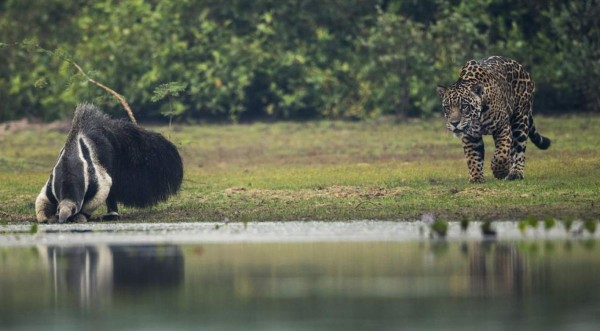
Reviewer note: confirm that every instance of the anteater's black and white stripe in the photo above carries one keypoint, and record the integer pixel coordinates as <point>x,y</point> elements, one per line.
<point>112,161</point>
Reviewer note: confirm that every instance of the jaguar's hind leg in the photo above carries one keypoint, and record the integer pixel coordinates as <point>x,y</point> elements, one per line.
<point>520,133</point>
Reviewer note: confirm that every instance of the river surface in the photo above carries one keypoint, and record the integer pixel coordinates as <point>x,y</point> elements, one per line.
<point>364,275</point>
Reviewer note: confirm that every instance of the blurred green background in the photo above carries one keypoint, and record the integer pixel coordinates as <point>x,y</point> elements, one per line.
<point>246,60</point>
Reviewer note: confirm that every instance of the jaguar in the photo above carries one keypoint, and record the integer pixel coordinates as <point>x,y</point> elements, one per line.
<point>493,96</point>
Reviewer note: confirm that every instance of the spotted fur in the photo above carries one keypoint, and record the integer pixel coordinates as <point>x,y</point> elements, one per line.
<point>493,96</point>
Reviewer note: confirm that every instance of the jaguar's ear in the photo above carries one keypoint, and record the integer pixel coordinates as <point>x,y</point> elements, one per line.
<point>477,89</point>
<point>441,90</point>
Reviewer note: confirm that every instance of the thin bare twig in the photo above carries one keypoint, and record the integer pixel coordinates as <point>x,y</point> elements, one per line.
<point>107,89</point>
<point>364,202</point>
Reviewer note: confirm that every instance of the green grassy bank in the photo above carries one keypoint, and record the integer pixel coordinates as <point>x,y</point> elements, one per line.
<point>336,171</point>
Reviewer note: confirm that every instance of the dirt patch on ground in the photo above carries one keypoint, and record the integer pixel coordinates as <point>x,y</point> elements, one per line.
<point>331,192</point>
<point>27,125</point>
<point>483,194</point>
<point>480,192</point>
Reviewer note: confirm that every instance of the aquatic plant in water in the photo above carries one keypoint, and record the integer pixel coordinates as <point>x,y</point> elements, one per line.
<point>487,229</point>
<point>33,229</point>
<point>440,228</point>
<point>590,226</point>
<point>549,223</point>
<point>523,226</point>
<point>568,224</point>
<point>532,221</point>
<point>464,224</point>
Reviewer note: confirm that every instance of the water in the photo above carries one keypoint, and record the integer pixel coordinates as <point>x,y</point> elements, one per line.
<point>260,277</point>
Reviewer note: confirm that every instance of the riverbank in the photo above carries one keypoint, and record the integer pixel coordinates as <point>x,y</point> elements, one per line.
<point>336,171</point>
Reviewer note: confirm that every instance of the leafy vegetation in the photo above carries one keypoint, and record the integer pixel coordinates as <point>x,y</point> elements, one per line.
<point>295,59</point>
<point>337,170</point>
<point>440,228</point>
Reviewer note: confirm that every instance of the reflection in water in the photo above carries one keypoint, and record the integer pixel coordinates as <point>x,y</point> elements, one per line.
<point>351,286</point>
<point>496,268</point>
<point>81,272</point>
<point>91,274</point>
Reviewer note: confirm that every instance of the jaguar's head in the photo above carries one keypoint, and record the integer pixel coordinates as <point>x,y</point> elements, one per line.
<point>462,106</point>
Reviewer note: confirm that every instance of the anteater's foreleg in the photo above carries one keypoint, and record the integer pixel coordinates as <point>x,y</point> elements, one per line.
<point>112,213</point>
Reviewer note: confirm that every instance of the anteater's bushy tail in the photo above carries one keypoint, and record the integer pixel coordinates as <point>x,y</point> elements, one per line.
<point>149,168</point>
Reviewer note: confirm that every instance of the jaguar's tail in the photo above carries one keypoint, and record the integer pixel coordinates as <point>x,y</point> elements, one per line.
<point>540,141</point>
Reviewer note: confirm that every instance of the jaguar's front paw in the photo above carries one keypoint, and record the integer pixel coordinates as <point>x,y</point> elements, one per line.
<point>477,180</point>
<point>500,173</point>
<point>515,175</point>
<point>500,169</point>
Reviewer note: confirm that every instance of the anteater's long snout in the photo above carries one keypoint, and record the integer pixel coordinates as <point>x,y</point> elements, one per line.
<point>66,209</point>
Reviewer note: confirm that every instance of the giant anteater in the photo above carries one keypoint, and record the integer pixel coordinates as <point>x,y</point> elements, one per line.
<point>107,160</point>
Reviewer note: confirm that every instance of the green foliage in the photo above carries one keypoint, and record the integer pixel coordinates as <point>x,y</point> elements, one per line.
<point>440,228</point>
<point>397,53</point>
<point>590,226</point>
<point>522,225</point>
<point>532,221</point>
<point>168,90</point>
<point>571,71</point>
<point>549,223</point>
<point>568,224</point>
<point>33,229</point>
<point>286,60</point>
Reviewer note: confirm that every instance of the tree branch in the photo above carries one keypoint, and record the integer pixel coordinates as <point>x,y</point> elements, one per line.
<point>107,89</point>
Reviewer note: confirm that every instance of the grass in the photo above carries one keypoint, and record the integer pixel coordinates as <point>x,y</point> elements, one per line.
<point>337,171</point>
